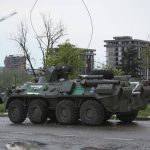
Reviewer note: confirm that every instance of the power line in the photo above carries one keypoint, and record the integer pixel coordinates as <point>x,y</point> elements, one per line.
<point>31,17</point>
<point>148,37</point>
<point>9,15</point>
<point>91,36</point>
<point>32,22</point>
<point>91,22</point>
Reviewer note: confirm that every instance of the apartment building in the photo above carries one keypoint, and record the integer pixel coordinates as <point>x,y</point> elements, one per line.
<point>15,63</point>
<point>89,60</point>
<point>115,52</point>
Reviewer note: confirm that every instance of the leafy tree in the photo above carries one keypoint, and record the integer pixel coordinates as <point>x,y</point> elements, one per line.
<point>13,78</point>
<point>67,54</point>
<point>130,62</point>
<point>146,60</point>
<point>116,71</point>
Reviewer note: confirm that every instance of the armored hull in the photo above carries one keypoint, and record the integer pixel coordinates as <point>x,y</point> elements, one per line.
<point>91,99</point>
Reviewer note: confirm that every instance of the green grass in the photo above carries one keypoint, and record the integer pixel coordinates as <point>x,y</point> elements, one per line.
<point>144,113</point>
<point>2,108</point>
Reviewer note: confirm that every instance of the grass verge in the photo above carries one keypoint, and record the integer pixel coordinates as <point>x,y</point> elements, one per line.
<point>2,108</point>
<point>145,113</point>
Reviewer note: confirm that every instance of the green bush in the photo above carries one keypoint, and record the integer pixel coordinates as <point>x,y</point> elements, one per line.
<point>144,113</point>
<point>2,108</point>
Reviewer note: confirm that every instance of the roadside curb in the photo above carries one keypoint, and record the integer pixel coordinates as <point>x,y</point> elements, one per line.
<point>3,114</point>
<point>139,118</point>
<point>143,118</point>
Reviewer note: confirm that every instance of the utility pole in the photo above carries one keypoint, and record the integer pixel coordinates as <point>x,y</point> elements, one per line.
<point>6,17</point>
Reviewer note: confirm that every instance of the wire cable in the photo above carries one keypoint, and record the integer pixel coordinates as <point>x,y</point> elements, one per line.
<point>148,37</point>
<point>31,17</point>
<point>32,22</point>
<point>91,36</point>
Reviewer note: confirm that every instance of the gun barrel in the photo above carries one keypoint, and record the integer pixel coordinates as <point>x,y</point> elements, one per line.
<point>96,82</point>
<point>91,77</point>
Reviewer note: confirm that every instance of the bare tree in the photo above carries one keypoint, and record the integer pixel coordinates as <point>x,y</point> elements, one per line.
<point>50,36</point>
<point>21,39</point>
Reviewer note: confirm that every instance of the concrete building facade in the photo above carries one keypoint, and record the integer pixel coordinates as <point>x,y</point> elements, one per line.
<point>119,44</point>
<point>15,63</point>
<point>89,60</point>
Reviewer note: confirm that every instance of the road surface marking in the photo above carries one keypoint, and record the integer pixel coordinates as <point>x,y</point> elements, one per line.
<point>25,133</point>
<point>120,139</point>
<point>67,135</point>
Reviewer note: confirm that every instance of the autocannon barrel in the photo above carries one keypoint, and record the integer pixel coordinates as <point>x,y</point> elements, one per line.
<point>91,77</point>
<point>95,82</point>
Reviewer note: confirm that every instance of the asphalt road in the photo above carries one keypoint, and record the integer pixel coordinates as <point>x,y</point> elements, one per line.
<point>50,136</point>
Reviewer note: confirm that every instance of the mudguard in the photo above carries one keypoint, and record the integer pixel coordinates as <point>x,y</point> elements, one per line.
<point>126,92</point>
<point>146,92</point>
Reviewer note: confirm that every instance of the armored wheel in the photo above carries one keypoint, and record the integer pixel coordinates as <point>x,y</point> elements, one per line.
<point>66,112</point>
<point>38,111</point>
<point>17,112</point>
<point>92,113</point>
<point>127,118</point>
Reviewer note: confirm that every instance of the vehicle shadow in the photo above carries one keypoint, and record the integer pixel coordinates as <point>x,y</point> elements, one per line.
<point>108,124</point>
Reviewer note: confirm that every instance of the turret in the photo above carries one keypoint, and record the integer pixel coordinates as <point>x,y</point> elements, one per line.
<point>55,73</point>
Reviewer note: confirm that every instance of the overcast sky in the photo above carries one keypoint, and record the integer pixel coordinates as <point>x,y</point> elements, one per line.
<point>110,18</point>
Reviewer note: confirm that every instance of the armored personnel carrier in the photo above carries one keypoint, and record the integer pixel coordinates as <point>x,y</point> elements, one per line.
<point>90,98</point>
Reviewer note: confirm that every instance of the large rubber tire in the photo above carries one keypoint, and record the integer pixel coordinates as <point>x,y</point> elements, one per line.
<point>92,113</point>
<point>38,111</point>
<point>127,118</point>
<point>17,112</point>
<point>66,112</point>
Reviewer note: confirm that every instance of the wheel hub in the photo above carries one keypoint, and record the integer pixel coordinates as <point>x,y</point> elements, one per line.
<point>36,112</point>
<point>89,113</point>
<point>64,112</point>
<point>14,111</point>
